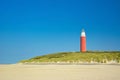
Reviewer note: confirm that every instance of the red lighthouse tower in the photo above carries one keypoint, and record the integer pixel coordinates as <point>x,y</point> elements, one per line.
<point>83,41</point>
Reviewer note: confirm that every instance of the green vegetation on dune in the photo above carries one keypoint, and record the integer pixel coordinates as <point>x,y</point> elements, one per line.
<point>77,57</point>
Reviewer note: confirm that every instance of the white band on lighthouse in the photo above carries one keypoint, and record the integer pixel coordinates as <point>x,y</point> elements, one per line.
<point>83,33</point>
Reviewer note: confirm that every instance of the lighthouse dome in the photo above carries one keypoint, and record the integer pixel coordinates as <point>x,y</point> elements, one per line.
<point>83,33</point>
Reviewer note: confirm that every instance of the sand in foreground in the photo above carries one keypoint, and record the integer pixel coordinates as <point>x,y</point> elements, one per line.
<point>59,72</point>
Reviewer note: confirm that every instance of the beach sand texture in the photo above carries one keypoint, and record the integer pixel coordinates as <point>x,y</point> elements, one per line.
<point>59,72</point>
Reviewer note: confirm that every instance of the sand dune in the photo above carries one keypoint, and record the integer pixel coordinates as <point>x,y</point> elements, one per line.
<point>59,72</point>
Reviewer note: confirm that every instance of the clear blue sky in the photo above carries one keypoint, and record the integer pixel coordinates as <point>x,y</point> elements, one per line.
<point>30,28</point>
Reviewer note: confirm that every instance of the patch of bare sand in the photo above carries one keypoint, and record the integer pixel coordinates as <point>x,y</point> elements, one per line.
<point>59,72</point>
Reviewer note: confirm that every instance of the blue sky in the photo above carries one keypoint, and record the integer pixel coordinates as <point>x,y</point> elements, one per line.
<point>30,28</point>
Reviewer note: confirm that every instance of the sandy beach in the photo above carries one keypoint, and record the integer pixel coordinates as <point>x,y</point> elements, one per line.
<point>59,72</point>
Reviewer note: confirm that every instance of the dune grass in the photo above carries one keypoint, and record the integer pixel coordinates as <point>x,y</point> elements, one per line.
<point>77,57</point>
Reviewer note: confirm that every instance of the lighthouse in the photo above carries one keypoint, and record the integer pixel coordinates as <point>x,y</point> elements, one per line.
<point>83,41</point>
